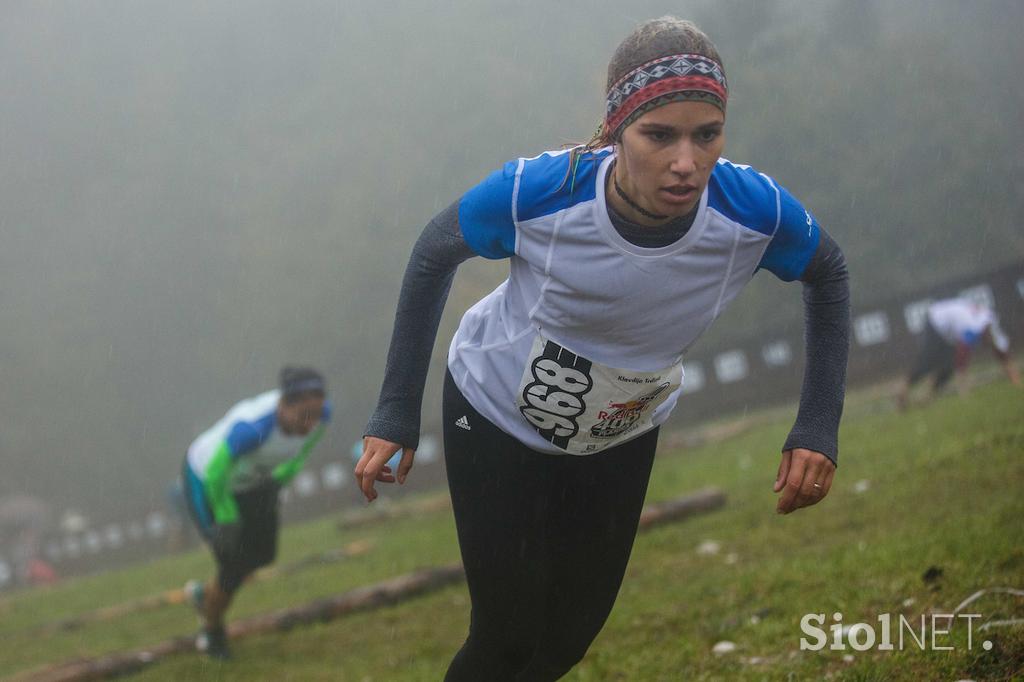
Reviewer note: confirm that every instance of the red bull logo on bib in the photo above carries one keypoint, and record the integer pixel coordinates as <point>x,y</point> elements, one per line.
<point>620,418</point>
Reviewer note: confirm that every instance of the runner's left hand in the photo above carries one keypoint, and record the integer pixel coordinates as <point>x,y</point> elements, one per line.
<point>799,471</point>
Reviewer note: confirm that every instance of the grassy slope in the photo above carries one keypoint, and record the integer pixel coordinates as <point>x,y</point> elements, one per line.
<point>945,491</point>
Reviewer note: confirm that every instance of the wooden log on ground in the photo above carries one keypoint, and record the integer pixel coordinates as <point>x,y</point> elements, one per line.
<point>700,502</point>
<point>365,598</point>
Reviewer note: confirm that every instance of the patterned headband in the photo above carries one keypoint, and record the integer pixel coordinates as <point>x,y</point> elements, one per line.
<point>679,77</point>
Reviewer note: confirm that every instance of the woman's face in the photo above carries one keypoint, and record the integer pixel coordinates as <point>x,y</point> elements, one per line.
<point>299,415</point>
<point>665,158</point>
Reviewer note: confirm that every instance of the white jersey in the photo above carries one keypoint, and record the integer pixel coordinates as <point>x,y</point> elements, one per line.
<point>959,321</point>
<point>581,347</point>
<point>254,439</point>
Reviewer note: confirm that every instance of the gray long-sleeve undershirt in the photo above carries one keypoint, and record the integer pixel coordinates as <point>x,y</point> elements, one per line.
<point>826,297</point>
<point>428,278</point>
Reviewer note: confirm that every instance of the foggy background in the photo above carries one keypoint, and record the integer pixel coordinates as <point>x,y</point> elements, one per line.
<point>193,194</point>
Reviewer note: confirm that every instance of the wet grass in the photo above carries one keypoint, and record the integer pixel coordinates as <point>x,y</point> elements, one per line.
<point>943,492</point>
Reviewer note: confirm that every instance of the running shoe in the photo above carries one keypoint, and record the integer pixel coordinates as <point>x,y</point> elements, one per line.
<point>214,643</point>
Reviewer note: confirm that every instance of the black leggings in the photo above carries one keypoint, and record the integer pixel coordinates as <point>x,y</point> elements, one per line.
<point>545,540</point>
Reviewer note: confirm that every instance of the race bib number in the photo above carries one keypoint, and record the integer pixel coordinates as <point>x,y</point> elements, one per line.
<point>583,407</point>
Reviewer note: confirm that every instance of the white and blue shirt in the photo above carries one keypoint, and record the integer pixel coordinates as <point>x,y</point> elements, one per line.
<point>581,347</point>
<point>255,440</point>
<point>959,321</point>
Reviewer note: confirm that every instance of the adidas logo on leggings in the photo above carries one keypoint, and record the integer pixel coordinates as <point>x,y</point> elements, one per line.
<point>463,423</point>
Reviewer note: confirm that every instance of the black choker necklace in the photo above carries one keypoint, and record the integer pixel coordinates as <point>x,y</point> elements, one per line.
<point>635,206</point>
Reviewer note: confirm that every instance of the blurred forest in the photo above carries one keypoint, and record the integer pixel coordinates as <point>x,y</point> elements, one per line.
<point>194,194</point>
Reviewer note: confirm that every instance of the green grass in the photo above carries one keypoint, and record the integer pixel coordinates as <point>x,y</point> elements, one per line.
<point>946,484</point>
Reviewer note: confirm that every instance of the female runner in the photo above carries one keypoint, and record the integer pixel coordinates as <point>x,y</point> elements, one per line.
<point>621,254</point>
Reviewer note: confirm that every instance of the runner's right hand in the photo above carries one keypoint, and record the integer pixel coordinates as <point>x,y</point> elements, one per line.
<point>373,465</point>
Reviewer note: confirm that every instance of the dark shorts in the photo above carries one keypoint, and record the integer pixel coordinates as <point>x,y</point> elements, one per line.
<point>258,516</point>
<point>934,356</point>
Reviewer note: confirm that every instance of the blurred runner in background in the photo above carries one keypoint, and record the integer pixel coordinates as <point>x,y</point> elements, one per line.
<point>953,329</point>
<point>232,476</point>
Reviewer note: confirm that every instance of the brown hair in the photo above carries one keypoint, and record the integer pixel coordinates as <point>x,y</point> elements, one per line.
<point>658,38</point>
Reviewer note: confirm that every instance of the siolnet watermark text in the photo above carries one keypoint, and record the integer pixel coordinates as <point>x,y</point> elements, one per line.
<point>894,632</point>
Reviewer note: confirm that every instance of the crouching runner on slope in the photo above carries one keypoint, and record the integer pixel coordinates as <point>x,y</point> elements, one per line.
<point>232,476</point>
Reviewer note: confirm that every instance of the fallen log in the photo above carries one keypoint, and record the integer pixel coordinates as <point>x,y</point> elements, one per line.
<point>702,501</point>
<point>365,598</point>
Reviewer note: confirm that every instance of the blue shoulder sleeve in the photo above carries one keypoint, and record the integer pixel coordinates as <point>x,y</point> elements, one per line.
<point>794,242</point>
<point>244,437</point>
<point>485,214</point>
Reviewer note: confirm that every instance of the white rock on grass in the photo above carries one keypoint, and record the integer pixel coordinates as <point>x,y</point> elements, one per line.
<point>709,548</point>
<point>723,647</point>
<point>862,486</point>
<point>908,602</point>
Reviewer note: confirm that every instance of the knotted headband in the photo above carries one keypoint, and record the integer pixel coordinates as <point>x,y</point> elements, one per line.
<point>675,78</point>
